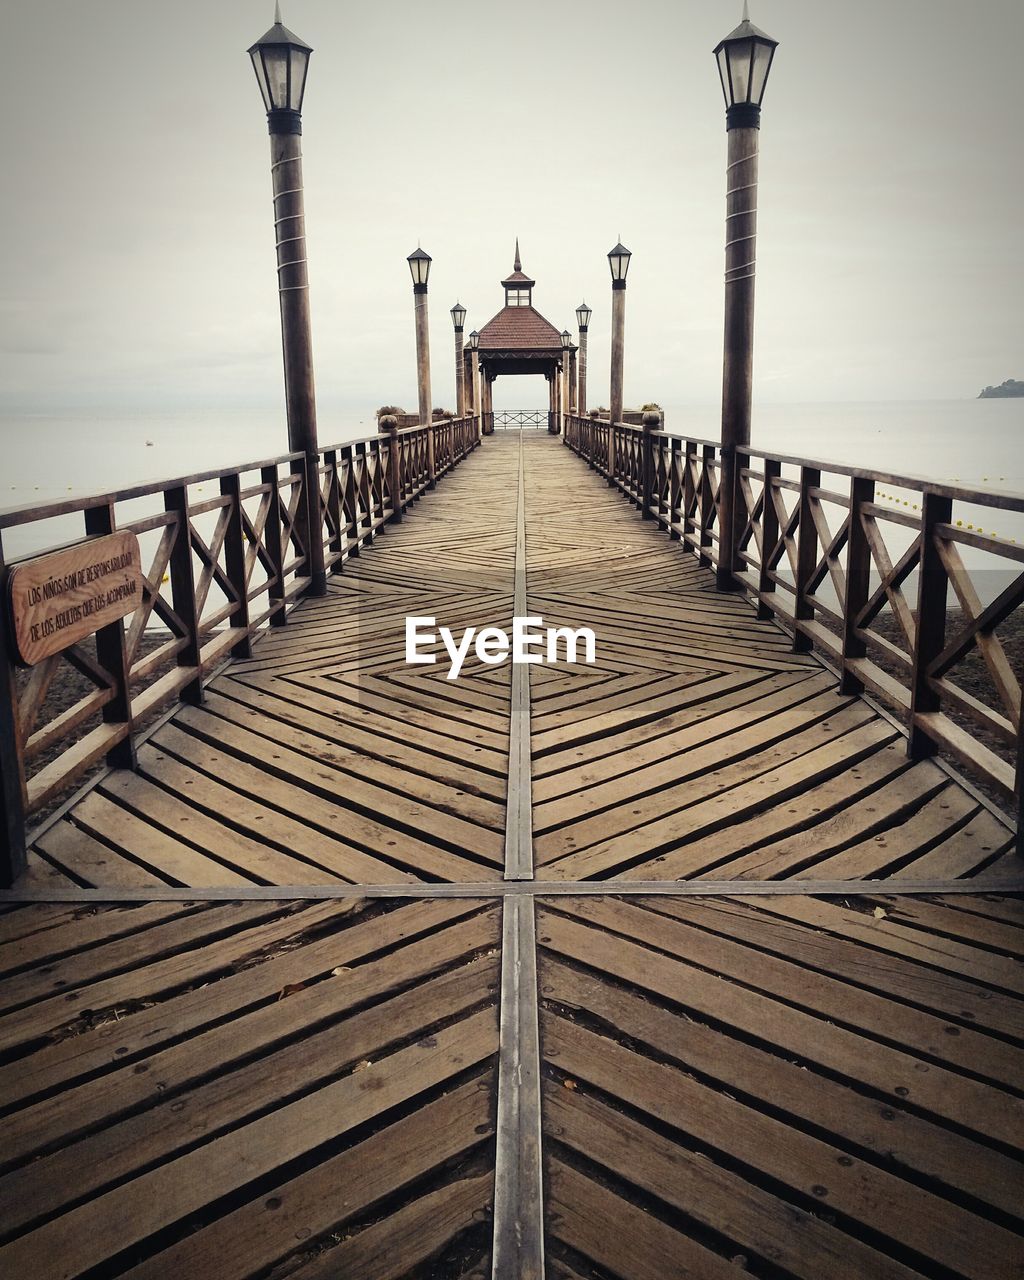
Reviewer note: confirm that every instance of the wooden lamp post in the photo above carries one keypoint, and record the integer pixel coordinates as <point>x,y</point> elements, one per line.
<point>566,356</point>
<point>281,60</point>
<point>459,321</point>
<point>744,60</point>
<point>419,267</point>
<point>583,314</point>
<point>474,351</point>
<point>618,261</point>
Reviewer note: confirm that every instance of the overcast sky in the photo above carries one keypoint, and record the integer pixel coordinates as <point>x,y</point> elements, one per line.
<point>137,253</point>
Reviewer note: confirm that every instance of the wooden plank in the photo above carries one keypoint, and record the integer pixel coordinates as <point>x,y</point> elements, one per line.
<point>518,1247</point>
<point>811,1168</point>
<point>640,1246</point>
<point>148,1029</point>
<point>770,1228</point>
<point>519,797</point>
<point>893,1137</point>
<point>233,1095</point>
<point>127,1214</point>
<point>234,926</point>
<point>407,1238</point>
<point>883,1068</point>
<point>948,1041</point>
<point>107,1098</point>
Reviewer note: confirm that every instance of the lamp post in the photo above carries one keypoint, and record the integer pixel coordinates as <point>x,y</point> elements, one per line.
<point>281,60</point>
<point>618,262</point>
<point>419,267</point>
<point>583,314</point>
<point>459,321</point>
<point>744,60</point>
<point>566,353</point>
<point>474,350</point>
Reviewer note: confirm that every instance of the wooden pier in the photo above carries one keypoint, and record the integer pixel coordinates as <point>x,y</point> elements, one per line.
<point>687,963</point>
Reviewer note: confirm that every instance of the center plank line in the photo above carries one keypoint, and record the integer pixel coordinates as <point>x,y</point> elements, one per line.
<point>519,801</point>
<point>518,1247</point>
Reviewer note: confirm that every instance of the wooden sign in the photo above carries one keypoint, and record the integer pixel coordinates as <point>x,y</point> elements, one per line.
<point>60,598</point>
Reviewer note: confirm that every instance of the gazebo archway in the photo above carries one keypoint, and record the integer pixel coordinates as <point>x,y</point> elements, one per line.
<point>519,340</point>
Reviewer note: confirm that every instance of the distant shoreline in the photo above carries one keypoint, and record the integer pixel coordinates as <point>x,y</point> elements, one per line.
<point>1011,389</point>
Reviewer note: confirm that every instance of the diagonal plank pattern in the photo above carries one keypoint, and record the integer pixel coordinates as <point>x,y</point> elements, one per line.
<point>434,1074</point>
<point>700,745</point>
<point>325,758</point>
<point>217,1090</point>
<point>792,1088</point>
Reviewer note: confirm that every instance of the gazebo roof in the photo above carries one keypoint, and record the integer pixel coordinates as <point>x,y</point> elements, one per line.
<point>519,329</point>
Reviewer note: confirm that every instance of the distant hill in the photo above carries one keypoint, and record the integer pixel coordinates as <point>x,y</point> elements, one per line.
<point>1011,387</point>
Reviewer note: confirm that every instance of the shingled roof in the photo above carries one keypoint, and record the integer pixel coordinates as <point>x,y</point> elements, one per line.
<point>519,328</point>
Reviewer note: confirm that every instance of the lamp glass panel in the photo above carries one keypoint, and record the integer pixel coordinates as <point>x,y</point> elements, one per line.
<point>275,61</point>
<point>723,71</point>
<point>261,77</point>
<point>583,315</point>
<point>300,65</point>
<point>619,265</point>
<point>739,66</point>
<point>759,76</point>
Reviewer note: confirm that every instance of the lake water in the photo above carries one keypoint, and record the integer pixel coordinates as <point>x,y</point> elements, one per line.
<point>972,442</point>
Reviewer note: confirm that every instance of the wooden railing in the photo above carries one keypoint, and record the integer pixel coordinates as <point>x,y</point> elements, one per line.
<point>516,419</point>
<point>225,554</point>
<point>866,567</point>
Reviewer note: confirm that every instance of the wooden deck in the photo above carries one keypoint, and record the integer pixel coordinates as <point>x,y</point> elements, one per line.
<point>780,1087</point>
<point>698,745</point>
<point>293,1007</point>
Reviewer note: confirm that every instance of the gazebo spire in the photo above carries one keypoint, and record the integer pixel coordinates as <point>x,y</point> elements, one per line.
<point>517,265</point>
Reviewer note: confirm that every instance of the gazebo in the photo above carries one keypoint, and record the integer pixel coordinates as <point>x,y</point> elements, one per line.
<point>520,340</point>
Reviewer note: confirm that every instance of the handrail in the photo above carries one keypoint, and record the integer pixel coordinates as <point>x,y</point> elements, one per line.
<point>825,551</point>
<point>216,571</point>
<point>27,513</point>
<point>520,418</point>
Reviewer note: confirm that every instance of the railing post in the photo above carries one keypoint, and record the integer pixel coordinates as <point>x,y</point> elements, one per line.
<point>389,423</point>
<point>930,631</point>
<point>707,505</point>
<point>272,544</point>
<point>651,423</point>
<point>333,503</point>
<point>13,856</point>
<point>431,455</point>
<point>858,583</point>
<point>113,656</point>
<point>769,538</point>
<point>727,495</point>
<point>183,590</point>
<point>365,499</point>
<point>675,462</point>
<point>806,558</point>
<point>1019,788</point>
<point>234,561</point>
<point>350,501</point>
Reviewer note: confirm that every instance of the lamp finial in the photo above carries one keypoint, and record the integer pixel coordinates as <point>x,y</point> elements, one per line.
<point>277,13</point>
